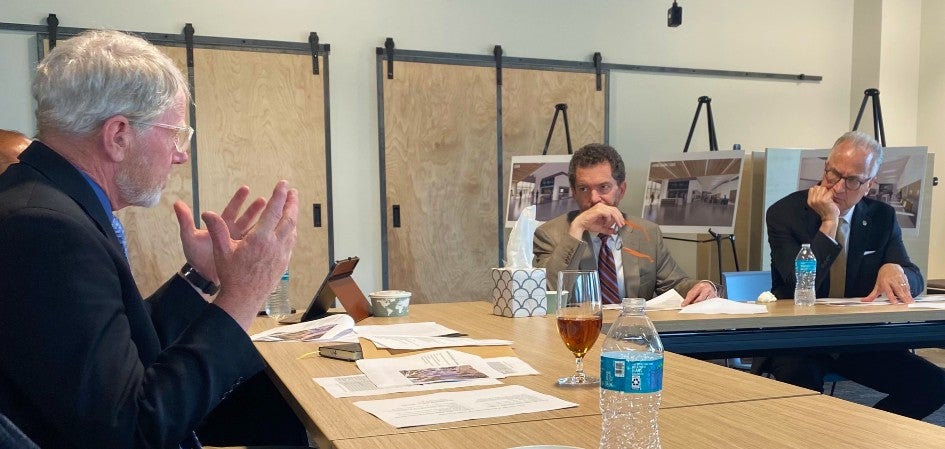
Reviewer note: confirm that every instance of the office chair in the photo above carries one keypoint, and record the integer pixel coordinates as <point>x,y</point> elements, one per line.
<point>746,286</point>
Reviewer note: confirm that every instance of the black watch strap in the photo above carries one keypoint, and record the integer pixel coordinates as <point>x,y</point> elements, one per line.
<point>197,280</point>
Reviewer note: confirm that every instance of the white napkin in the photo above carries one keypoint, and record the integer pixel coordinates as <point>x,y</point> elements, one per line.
<point>725,306</point>
<point>667,301</point>
<point>670,300</point>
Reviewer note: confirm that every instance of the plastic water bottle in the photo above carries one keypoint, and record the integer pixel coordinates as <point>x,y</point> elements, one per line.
<point>805,271</point>
<point>631,380</point>
<point>277,305</point>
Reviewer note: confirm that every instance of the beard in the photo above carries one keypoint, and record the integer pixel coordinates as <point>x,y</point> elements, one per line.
<point>135,184</point>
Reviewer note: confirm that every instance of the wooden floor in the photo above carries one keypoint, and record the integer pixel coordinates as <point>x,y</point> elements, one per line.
<point>934,355</point>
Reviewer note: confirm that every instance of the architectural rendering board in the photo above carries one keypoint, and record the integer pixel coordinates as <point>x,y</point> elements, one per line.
<point>542,181</point>
<point>694,192</point>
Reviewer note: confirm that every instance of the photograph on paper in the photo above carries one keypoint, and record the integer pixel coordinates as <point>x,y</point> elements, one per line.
<point>542,181</point>
<point>694,192</point>
<point>442,374</point>
<point>331,328</point>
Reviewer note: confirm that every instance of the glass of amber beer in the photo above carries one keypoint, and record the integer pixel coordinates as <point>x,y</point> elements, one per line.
<point>579,319</point>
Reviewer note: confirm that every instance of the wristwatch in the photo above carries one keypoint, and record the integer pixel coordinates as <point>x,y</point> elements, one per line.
<point>197,280</point>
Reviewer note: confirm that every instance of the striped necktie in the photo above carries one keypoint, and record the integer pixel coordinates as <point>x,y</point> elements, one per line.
<point>607,271</point>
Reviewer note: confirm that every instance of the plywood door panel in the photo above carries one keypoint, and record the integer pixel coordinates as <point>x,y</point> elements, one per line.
<point>260,118</point>
<point>440,150</point>
<point>528,106</point>
<point>153,237</point>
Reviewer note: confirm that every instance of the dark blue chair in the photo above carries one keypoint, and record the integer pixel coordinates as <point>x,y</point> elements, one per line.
<point>746,286</point>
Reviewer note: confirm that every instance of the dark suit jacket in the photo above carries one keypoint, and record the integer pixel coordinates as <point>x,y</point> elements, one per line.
<point>85,361</point>
<point>648,268</point>
<point>875,238</point>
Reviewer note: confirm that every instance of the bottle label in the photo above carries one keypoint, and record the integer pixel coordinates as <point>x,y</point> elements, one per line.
<point>801,266</point>
<point>619,373</point>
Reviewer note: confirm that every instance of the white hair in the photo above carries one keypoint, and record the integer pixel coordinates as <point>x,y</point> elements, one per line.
<point>863,141</point>
<point>97,75</point>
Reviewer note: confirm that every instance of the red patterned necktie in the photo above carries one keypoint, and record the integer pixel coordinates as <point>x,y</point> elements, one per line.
<point>607,272</point>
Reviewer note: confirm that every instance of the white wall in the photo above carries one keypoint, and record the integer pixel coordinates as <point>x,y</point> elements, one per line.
<point>899,72</point>
<point>931,120</point>
<point>651,114</point>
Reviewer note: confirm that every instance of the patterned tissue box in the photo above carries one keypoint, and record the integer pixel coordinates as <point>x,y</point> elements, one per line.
<point>519,292</point>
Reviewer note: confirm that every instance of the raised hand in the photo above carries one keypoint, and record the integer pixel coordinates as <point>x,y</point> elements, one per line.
<point>598,219</point>
<point>249,267</point>
<point>196,242</point>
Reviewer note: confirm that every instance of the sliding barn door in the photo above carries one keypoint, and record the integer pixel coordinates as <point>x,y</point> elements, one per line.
<point>153,237</point>
<point>260,119</point>
<point>439,152</point>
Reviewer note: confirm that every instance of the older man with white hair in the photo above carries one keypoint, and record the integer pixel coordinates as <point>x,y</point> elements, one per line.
<point>87,363</point>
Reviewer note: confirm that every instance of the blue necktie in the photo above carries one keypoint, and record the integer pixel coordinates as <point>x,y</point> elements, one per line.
<point>120,233</point>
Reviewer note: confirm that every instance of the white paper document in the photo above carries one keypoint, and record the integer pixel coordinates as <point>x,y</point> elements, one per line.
<point>414,343</point>
<point>922,301</point>
<point>444,365</point>
<point>426,329</point>
<point>330,328</point>
<point>361,385</point>
<point>455,406</point>
<point>724,306</point>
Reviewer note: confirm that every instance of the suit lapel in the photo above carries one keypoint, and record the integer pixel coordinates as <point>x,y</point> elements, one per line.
<point>63,174</point>
<point>860,225</point>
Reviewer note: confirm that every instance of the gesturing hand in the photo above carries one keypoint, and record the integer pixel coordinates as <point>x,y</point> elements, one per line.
<point>196,242</point>
<point>250,267</point>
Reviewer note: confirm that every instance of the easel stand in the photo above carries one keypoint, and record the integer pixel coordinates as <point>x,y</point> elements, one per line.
<point>713,146</point>
<point>563,109</point>
<point>717,238</point>
<point>713,142</point>
<point>878,130</point>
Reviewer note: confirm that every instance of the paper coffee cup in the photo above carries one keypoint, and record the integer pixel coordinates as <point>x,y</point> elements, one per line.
<point>390,303</point>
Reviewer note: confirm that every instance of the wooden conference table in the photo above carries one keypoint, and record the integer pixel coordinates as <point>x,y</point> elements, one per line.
<point>688,384</point>
<point>800,422</point>
<point>786,328</point>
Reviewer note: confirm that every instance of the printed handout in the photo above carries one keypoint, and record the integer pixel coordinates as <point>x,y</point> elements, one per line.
<point>361,385</point>
<point>455,406</point>
<point>445,365</point>
<point>330,328</point>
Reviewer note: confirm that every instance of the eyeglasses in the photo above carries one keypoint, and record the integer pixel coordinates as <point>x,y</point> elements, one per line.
<point>182,135</point>
<point>850,182</point>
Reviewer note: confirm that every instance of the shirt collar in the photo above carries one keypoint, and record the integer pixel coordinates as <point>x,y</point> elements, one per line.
<point>99,192</point>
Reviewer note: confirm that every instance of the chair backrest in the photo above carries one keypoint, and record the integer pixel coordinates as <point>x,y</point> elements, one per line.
<point>745,285</point>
